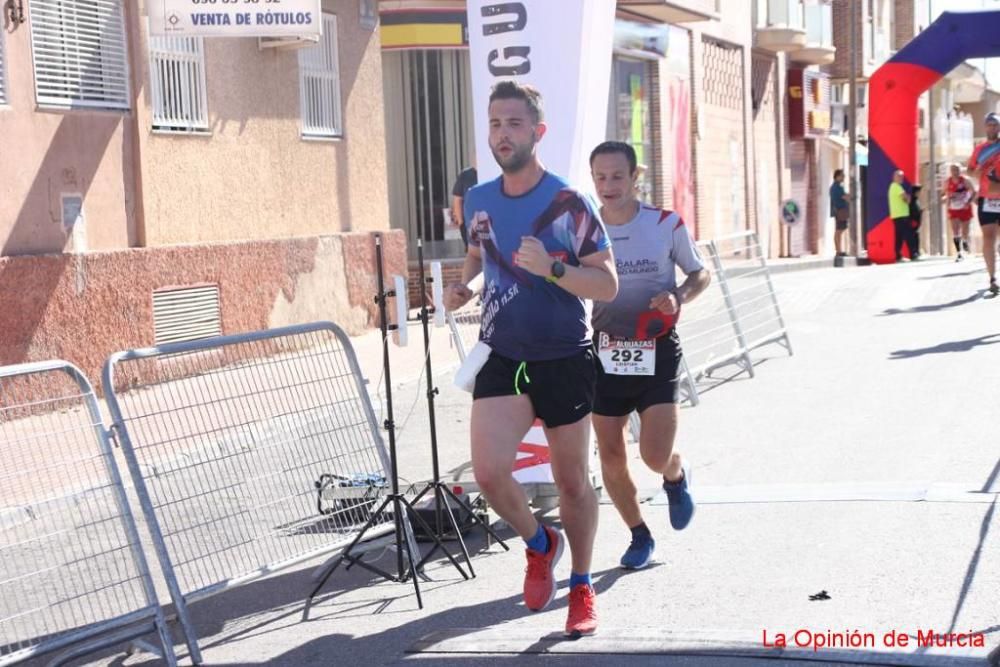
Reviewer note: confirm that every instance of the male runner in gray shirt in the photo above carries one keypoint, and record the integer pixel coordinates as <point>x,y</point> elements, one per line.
<point>637,343</point>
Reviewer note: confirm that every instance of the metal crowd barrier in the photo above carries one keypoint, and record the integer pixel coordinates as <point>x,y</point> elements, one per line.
<point>73,576</point>
<point>754,302</point>
<point>737,314</point>
<point>238,446</point>
<point>709,333</point>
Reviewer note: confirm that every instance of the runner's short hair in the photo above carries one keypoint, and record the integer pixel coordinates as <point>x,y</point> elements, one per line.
<point>838,172</point>
<point>512,90</point>
<point>612,147</point>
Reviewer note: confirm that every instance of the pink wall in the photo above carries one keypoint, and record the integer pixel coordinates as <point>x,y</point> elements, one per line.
<point>48,152</point>
<point>84,307</point>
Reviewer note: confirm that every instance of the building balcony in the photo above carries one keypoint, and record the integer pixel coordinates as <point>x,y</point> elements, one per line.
<point>780,25</point>
<point>818,48</point>
<point>672,11</point>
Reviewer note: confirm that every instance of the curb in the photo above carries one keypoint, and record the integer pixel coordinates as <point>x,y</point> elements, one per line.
<point>787,266</point>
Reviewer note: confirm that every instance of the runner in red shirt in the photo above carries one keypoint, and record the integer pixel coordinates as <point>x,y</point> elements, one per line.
<point>983,164</point>
<point>958,192</point>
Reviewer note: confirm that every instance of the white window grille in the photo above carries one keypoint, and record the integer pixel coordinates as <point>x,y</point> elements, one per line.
<point>3,71</point>
<point>319,84</point>
<point>80,54</point>
<point>177,83</point>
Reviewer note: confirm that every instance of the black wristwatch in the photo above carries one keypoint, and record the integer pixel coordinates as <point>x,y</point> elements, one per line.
<point>558,270</point>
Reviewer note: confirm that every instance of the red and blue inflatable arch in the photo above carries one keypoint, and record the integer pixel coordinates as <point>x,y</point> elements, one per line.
<point>892,111</point>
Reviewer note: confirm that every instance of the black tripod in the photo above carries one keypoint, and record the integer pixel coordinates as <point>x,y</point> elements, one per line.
<point>441,491</point>
<point>399,504</point>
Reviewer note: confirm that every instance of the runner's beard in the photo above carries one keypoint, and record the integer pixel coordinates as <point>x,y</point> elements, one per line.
<point>519,158</point>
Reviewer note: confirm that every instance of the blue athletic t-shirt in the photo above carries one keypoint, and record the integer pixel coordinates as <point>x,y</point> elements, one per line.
<point>525,317</point>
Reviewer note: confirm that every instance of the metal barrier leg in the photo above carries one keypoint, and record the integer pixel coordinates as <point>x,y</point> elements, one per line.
<point>786,343</point>
<point>774,300</point>
<point>635,425</point>
<point>107,641</point>
<point>730,306</point>
<point>689,382</point>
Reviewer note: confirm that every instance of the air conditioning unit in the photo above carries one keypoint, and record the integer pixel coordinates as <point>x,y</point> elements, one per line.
<point>286,43</point>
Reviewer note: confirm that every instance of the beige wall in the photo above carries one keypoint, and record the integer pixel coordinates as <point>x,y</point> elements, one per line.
<point>253,176</point>
<point>44,153</point>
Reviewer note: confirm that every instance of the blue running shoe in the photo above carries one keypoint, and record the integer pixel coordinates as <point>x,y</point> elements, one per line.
<point>639,553</point>
<point>681,503</point>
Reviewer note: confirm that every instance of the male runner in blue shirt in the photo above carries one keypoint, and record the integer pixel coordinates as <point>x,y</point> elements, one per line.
<point>543,251</point>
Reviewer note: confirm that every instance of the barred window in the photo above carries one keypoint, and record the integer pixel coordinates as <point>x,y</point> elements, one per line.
<point>177,83</point>
<point>319,84</point>
<point>79,52</point>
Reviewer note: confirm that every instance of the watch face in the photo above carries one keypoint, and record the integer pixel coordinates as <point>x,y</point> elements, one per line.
<point>558,269</point>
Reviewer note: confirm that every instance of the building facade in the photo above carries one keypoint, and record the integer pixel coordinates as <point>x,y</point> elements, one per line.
<point>686,109</point>
<point>163,189</point>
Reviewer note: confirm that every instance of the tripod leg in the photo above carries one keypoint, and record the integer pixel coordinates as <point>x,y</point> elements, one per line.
<point>347,552</point>
<point>486,526</point>
<point>405,544</point>
<point>441,500</point>
<point>420,495</point>
<point>438,501</point>
<point>355,560</point>
<point>427,556</point>
<point>437,540</point>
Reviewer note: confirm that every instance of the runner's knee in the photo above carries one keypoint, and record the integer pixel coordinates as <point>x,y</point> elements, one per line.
<point>491,477</point>
<point>614,467</point>
<point>657,457</point>
<point>573,486</point>
<point>613,452</point>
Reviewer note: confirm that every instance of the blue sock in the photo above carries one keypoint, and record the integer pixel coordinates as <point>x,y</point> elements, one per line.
<point>540,541</point>
<point>575,579</point>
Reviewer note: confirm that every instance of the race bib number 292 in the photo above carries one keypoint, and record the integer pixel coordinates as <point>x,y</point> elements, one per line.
<point>621,356</point>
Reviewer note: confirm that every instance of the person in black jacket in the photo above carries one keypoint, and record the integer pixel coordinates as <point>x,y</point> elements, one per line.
<point>466,180</point>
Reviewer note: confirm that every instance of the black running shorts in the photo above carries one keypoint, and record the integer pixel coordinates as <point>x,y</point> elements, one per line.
<point>561,390</point>
<point>986,218</point>
<point>619,395</point>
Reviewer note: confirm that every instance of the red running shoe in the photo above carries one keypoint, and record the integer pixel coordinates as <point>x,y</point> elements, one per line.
<point>539,582</point>
<point>582,619</point>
